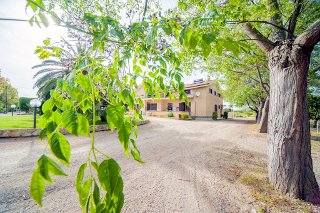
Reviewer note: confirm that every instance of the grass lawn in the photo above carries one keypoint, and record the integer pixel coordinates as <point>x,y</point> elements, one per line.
<point>16,121</point>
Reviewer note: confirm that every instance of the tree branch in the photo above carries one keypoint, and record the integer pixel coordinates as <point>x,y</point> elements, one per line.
<point>276,19</point>
<point>293,18</point>
<point>310,37</point>
<point>263,85</point>
<point>315,69</point>
<point>145,9</point>
<point>262,22</point>
<point>264,43</point>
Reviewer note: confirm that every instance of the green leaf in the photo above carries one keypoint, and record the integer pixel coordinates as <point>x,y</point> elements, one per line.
<point>70,121</point>
<point>44,19</point>
<point>96,194</point>
<point>193,41</point>
<point>84,192</point>
<point>47,42</point>
<point>54,168</point>
<point>84,82</point>
<point>43,166</point>
<point>124,135</point>
<point>209,37</point>
<point>51,127</point>
<point>206,49</point>
<point>231,46</point>
<point>109,175</point>
<point>37,187</point>
<point>83,126</point>
<point>55,17</point>
<point>80,176</point>
<point>48,105</point>
<point>43,133</point>
<point>60,147</point>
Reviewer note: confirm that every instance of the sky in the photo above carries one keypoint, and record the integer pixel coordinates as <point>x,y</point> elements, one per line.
<point>18,41</point>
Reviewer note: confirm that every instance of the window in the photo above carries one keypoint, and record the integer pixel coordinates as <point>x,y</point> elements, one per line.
<point>215,108</point>
<point>170,106</point>
<point>151,106</point>
<point>210,90</point>
<point>187,91</point>
<point>182,106</point>
<point>215,93</point>
<point>219,95</point>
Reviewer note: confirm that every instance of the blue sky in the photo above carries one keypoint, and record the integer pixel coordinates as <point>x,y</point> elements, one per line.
<point>18,41</point>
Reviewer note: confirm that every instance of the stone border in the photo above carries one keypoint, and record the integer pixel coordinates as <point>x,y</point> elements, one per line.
<point>16,133</point>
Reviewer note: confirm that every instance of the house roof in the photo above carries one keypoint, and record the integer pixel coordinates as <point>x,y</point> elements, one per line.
<point>197,85</point>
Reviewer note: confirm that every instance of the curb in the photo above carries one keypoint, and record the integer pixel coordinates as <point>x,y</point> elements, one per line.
<point>30,132</point>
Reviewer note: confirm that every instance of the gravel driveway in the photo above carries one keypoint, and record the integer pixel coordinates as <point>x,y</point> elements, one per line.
<point>190,166</point>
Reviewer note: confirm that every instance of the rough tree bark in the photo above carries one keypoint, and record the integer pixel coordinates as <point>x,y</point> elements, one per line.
<point>290,164</point>
<point>263,124</point>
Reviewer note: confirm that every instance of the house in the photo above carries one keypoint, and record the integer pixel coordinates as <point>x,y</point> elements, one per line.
<point>203,96</point>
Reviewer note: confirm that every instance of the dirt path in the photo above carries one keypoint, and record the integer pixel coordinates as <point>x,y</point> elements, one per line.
<point>191,166</point>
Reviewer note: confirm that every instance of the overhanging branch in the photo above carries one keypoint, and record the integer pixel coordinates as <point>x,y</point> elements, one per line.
<point>310,37</point>
<point>264,43</point>
<point>293,18</point>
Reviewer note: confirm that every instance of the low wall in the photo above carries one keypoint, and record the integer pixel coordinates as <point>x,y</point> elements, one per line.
<point>164,114</point>
<point>15,133</point>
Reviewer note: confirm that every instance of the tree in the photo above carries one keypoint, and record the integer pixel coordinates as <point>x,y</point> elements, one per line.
<point>24,104</point>
<point>279,28</point>
<point>314,108</point>
<point>61,62</point>
<point>8,94</point>
<point>246,81</point>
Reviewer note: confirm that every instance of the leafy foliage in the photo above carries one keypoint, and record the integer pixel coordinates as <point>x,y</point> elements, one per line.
<point>8,94</point>
<point>24,104</point>
<point>139,54</point>
<point>214,116</point>
<point>57,62</point>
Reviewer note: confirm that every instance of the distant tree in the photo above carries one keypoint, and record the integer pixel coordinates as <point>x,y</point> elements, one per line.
<point>314,108</point>
<point>24,104</point>
<point>56,67</point>
<point>8,94</point>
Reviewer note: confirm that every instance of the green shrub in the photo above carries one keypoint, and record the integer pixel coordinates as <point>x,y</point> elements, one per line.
<point>225,115</point>
<point>214,116</point>
<point>185,116</point>
<point>170,114</point>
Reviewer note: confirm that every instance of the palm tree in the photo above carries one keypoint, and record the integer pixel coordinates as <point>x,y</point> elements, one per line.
<point>53,69</point>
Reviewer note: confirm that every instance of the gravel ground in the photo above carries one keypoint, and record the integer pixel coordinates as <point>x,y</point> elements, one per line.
<point>190,166</point>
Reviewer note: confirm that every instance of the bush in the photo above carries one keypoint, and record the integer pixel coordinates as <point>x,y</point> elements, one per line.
<point>184,116</point>
<point>170,114</point>
<point>214,116</point>
<point>225,115</point>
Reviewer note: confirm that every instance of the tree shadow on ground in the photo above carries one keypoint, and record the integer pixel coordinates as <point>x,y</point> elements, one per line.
<point>240,121</point>
<point>315,138</point>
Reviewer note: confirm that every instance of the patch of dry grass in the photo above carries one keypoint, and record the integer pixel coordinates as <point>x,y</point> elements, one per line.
<point>271,200</point>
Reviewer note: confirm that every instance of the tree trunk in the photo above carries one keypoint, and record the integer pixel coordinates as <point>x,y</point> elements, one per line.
<point>263,125</point>
<point>290,163</point>
<point>259,114</point>
<point>315,123</point>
